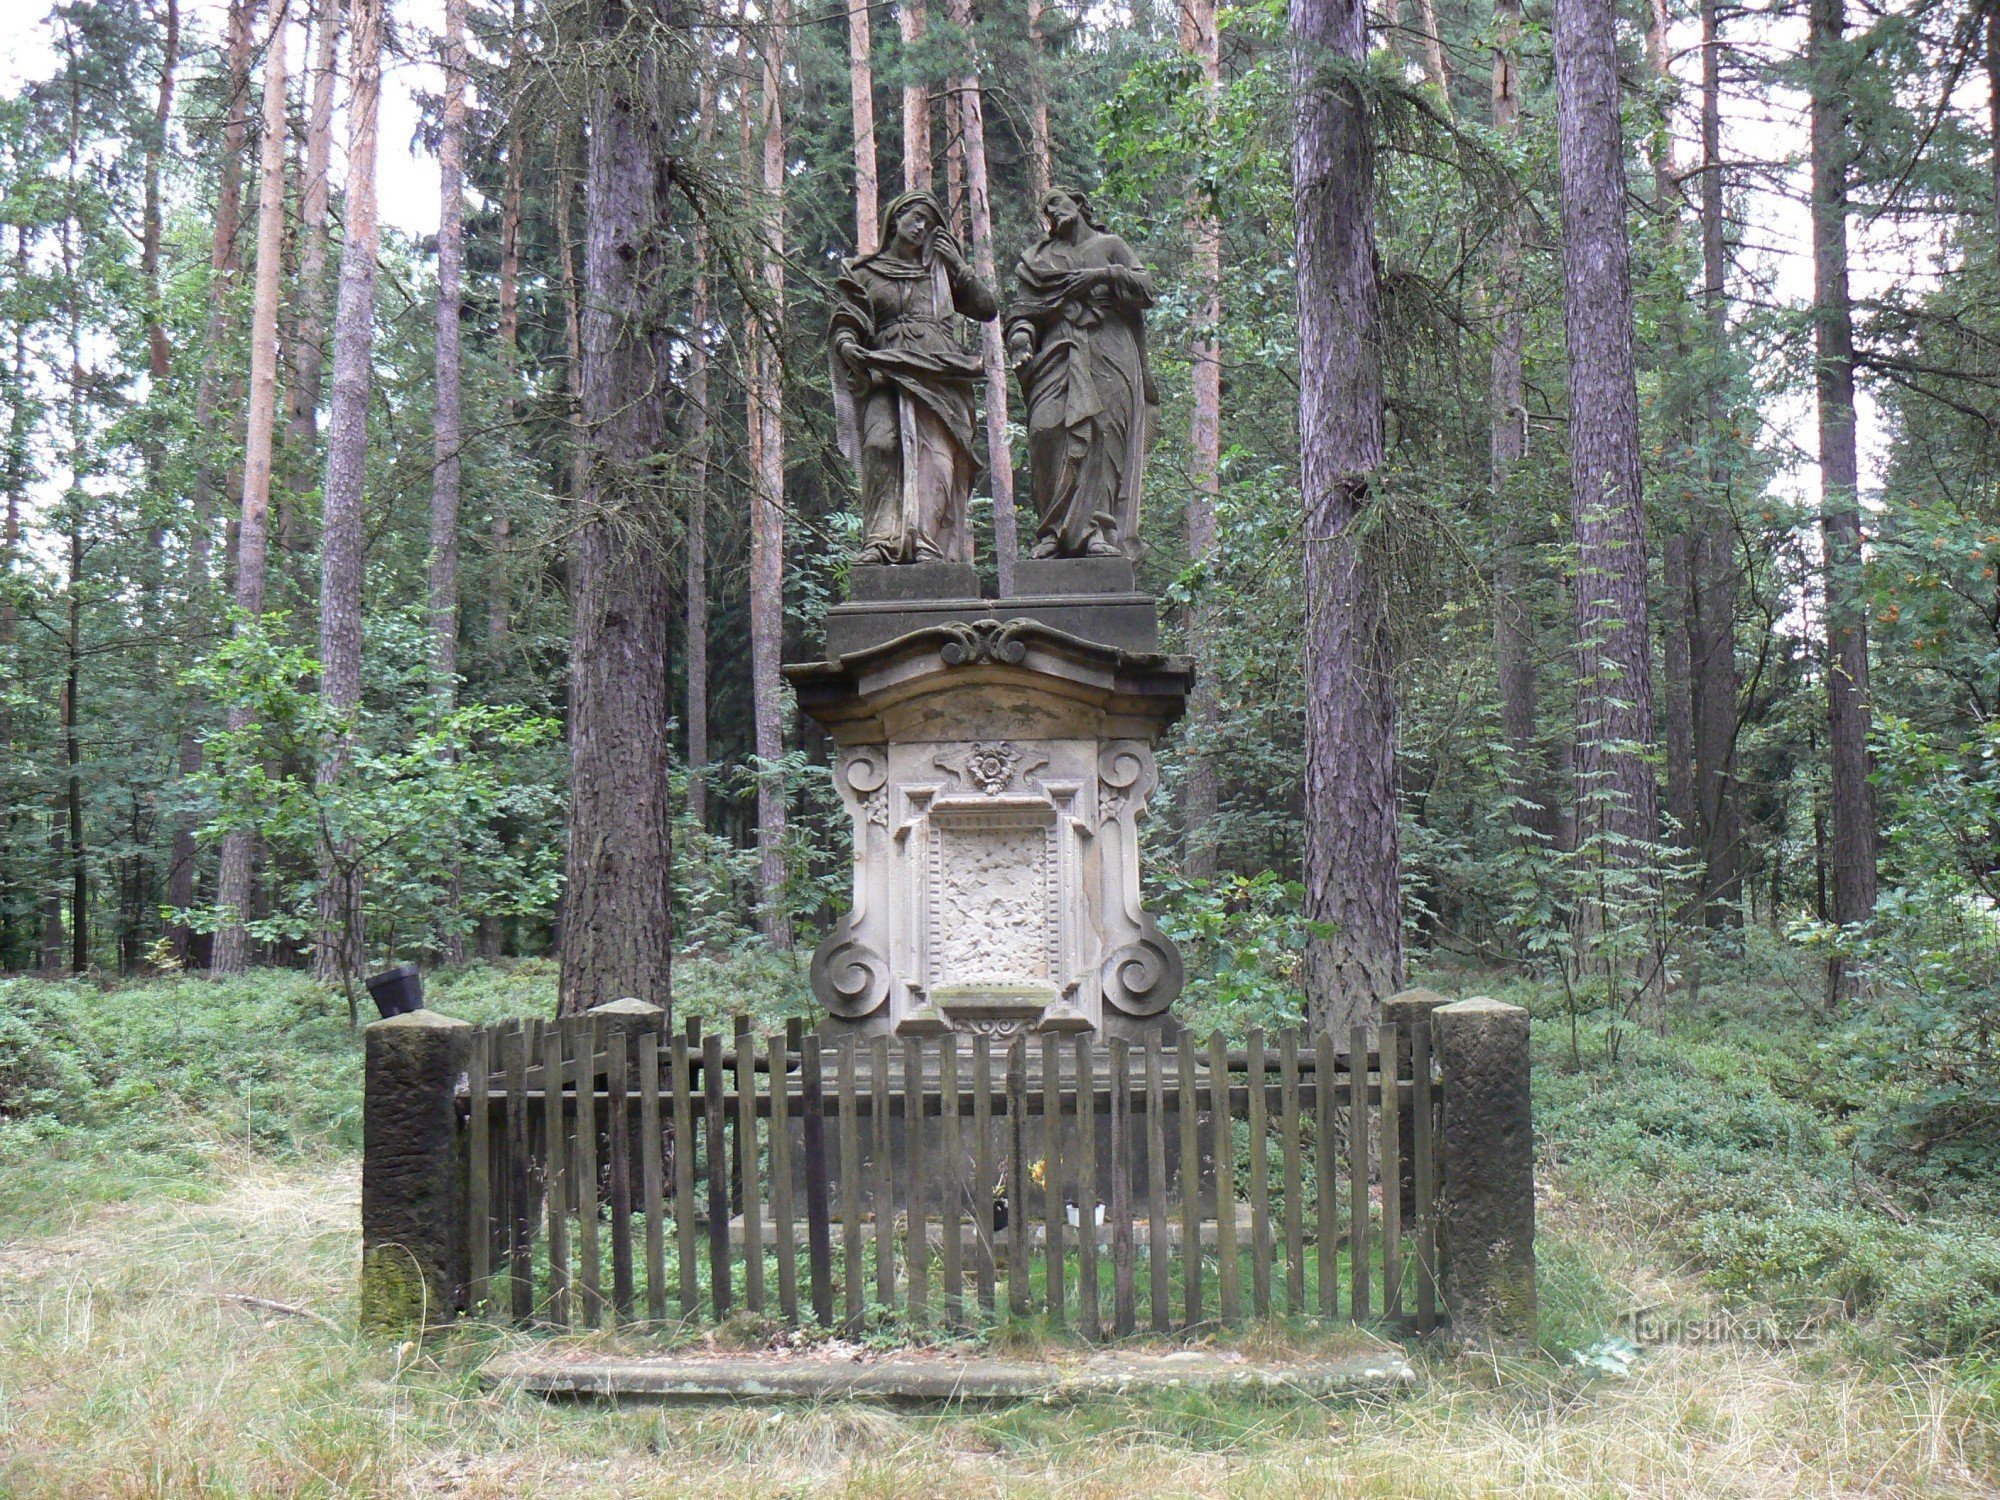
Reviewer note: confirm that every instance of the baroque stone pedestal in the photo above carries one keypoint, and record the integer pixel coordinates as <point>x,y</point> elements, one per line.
<point>996,757</point>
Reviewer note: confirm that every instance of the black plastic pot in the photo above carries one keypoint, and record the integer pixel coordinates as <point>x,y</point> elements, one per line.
<point>397,991</point>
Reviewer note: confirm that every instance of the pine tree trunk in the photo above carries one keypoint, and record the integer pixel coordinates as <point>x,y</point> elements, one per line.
<point>448,421</point>
<point>617,914</point>
<point>309,299</point>
<point>696,588</point>
<point>1852,856</point>
<point>341,946</point>
<point>1437,72</point>
<point>232,885</point>
<point>993,349</point>
<point>861,93</point>
<point>1354,958</point>
<point>767,498</point>
<point>512,189</point>
<point>1041,169</point>
<point>223,262</point>
<point>1202,44</point>
<point>1717,684</point>
<point>1513,619</point>
<point>917,172</point>
<point>1617,799</point>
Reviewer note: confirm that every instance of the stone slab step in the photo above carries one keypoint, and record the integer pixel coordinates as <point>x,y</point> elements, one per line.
<point>940,1380</point>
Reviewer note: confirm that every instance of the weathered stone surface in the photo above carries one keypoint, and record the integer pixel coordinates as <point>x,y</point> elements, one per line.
<point>1409,1012</point>
<point>996,771</point>
<point>1125,622</point>
<point>928,1380</point>
<point>413,1247</point>
<point>1035,576</point>
<point>907,582</point>
<point>1488,1210</point>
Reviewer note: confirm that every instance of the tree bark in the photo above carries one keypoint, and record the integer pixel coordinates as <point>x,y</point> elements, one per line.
<point>1717,684</point>
<point>698,451</point>
<point>1617,800</point>
<point>448,426</point>
<point>993,349</point>
<point>1852,856</point>
<point>232,885</point>
<point>309,300</point>
<point>341,949</point>
<point>511,193</point>
<point>861,93</point>
<point>1041,168</point>
<point>617,913</point>
<point>1354,958</point>
<point>1437,71</point>
<point>222,267</point>
<point>1201,42</point>
<point>1513,620</point>
<point>767,496</point>
<point>1993,107</point>
<point>917,170</point>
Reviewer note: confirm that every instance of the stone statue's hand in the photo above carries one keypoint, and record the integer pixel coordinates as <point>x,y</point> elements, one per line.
<point>946,249</point>
<point>1019,351</point>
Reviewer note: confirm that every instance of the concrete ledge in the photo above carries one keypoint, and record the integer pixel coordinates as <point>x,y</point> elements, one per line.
<point>938,1380</point>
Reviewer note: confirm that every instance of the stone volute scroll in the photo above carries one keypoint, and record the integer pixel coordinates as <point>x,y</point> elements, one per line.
<point>1076,338</point>
<point>904,384</point>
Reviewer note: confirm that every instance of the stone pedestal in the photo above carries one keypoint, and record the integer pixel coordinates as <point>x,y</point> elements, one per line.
<point>996,756</point>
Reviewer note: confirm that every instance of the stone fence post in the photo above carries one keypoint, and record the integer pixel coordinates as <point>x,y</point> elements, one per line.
<point>413,1215</point>
<point>1487,1215</point>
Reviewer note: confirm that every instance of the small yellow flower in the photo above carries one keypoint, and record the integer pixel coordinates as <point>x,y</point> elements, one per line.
<point>1039,1172</point>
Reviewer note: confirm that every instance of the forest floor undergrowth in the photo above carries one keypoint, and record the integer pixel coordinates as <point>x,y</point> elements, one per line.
<point>177,1270</point>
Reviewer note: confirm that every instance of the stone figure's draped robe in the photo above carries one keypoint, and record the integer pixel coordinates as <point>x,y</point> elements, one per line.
<point>1089,392</point>
<point>913,430</point>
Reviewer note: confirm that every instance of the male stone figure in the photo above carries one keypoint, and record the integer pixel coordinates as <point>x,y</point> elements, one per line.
<point>903,385</point>
<point>1076,338</point>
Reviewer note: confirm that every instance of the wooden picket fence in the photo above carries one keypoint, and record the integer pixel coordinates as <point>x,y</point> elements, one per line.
<point>613,1175</point>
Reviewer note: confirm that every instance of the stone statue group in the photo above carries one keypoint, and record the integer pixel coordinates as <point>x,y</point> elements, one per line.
<point>904,383</point>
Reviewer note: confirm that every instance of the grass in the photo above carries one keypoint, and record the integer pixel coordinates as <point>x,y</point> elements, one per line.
<point>205,1154</point>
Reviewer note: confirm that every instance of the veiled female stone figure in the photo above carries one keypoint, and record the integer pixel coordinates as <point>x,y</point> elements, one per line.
<point>1077,340</point>
<point>903,385</point>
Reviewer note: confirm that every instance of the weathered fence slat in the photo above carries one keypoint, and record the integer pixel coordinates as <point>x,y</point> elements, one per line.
<point>1358,1249</point>
<point>1187,1118</point>
<point>1159,1266</point>
<point>1089,1317</point>
<point>819,1218</point>
<point>745,1157</point>
<point>1260,1181</point>
<point>1223,1135</point>
<point>1124,1305</point>
<point>1325,1103</point>
<point>783,1226</point>
<point>1289,1147</point>
<point>583,1045</point>
<point>855,1293</point>
<point>520,1239</point>
<point>479,1176</point>
<point>715,1159</point>
<point>1392,1175</point>
<point>1018,1289</point>
<point>1424,1176</point>
<point>1054,1179</point>
<point>951,1177</point>
<point>685,1253</point>
<point>984,1170</point>
<point>882,1201</point>
<point>916,1235</point>
<point>617,1057</point>
<point>555,1179</point>
<point>651,1187</point>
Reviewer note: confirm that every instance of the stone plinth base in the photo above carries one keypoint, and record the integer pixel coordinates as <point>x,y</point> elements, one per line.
<point>995,766</point>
